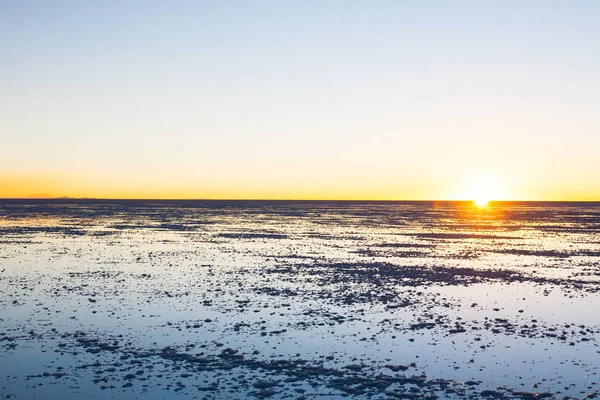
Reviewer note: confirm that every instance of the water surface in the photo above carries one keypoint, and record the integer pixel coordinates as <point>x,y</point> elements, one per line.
<point>226,300</point>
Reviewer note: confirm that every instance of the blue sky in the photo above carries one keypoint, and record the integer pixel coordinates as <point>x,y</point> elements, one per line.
<point>300,99</point>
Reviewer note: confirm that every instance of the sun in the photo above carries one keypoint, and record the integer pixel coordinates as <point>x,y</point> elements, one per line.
<point>484,187</point>
<point>481,202</point>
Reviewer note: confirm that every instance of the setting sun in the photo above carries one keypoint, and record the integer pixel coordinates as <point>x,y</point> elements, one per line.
<point>481,202</point>
<point>483,186</point>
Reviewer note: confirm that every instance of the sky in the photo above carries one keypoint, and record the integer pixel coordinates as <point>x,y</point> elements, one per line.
<point>300,99</point>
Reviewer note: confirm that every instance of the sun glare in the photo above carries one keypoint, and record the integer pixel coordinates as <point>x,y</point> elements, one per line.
<point>483,187</point>
<point>481,202</point>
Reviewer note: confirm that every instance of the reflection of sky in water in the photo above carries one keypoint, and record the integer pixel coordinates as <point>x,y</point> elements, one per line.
<point>154,272</point>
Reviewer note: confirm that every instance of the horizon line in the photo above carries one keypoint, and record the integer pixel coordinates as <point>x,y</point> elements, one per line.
<point>293,200</point>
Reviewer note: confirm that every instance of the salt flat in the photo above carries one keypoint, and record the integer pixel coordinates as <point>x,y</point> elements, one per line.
<point>232,300</point>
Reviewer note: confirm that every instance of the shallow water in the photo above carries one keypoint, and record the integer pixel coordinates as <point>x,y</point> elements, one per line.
<point>220,300</point>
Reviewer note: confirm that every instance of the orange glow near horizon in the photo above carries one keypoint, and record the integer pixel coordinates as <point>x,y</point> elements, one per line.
<point>480,187</point>
<point>46,189</point>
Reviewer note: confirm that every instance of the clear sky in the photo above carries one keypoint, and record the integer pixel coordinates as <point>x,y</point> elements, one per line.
<point>300,99</point>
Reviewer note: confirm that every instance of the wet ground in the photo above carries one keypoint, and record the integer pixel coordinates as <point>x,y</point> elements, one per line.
<point>299,300</point>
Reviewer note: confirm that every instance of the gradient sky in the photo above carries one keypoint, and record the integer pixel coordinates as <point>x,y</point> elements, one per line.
<point>300,99</point>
